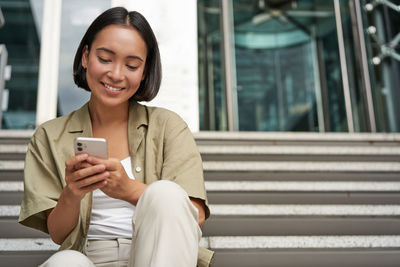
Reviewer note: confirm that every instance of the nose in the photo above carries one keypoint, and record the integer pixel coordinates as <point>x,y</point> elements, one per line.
<point>115,73</point>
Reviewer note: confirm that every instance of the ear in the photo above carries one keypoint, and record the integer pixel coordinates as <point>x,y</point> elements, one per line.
<point>85,57</point>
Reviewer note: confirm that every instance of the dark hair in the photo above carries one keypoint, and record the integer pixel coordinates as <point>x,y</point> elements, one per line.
<point>150,85</point>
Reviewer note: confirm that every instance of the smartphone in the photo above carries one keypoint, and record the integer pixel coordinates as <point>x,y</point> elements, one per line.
<point>93,146</point>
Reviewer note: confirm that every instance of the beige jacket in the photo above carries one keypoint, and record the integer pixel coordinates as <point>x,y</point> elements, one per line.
<point>160,143</point>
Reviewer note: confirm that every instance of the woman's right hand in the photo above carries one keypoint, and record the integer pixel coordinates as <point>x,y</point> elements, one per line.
<point>82,177</point>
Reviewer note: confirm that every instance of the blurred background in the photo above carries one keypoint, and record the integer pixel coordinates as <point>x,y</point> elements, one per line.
<point>251,65</point>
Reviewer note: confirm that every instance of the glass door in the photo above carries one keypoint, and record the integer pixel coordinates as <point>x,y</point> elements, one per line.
<point>295,66</point>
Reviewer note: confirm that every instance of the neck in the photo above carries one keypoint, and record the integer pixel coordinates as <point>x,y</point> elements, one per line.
<point>104,116</point>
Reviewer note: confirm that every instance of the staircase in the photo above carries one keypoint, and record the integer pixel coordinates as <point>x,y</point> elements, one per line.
<point>277,199</point>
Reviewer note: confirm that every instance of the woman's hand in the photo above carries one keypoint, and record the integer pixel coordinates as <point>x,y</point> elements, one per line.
<point>82,178</point>
<point>119,185</point>
<point>199,204</point>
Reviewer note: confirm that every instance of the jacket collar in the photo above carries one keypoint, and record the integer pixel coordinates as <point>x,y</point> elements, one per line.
<point>81,123</point>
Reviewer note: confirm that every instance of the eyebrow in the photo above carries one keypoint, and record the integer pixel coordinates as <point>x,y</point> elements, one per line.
<point>112,52</point>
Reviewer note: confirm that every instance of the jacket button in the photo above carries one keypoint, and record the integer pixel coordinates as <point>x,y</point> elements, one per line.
<point>138,169</point>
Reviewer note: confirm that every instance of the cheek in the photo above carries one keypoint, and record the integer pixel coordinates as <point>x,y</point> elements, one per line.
<point>94,68</point>
<point>136,78</point>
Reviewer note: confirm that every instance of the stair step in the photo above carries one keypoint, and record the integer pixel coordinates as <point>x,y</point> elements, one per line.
<point>266,153</point>
<point>277,210</point>
<point>12,151</point>
<point>303,166</point>
<point>298,153</point>
<point>241,242</point>
<point>10,228</point>
<point>270,166</point>
<point>306,210</point>
<point>24,258</point>
<point>296,138</point>
<point>307,258</point>
<point>15,136</point>
<point>256,258</point>
<point>258,197</point>
<point>218,225</point>
<point>254,186</point>
<point>296,242</point>
<point>300,186</point>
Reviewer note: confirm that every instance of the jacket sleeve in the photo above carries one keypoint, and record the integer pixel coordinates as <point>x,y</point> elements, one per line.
<point>181,159</point>
<point>42,186</point>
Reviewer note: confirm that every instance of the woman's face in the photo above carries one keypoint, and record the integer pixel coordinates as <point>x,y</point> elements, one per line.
<point>115,64</point>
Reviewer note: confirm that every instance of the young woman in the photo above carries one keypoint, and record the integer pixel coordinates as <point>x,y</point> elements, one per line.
<point>145,204</point>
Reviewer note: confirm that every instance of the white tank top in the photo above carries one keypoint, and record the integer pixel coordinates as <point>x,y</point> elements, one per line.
<point>111,218</point>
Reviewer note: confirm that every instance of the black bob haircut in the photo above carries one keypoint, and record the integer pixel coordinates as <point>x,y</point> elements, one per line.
<point>150,85</point>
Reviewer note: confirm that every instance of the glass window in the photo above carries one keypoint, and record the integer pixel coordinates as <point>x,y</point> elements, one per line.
<point>212,98</point>
<point>287,65</point>
<point>74,23</point>
<point>382,27</point>
<point>21,36</point>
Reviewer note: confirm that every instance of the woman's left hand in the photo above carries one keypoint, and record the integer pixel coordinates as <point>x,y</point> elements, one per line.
<point>119,185</point>
<point>199,204</point>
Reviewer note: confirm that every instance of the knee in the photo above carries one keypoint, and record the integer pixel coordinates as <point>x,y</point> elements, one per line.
<point>165,196</point>
<point>68,258</point>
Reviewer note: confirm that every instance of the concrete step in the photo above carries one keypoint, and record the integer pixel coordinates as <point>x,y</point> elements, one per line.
<point>385,257</point>
<point>257,138</point>
<point>256,258</point>
<point>219,225</point>
<point>276,210</point>
<point>259,170</point>
<point>13,151</point>
<point>298,153</point>
<point>15,136</point>
<point>240,242</point>
<point>302,171</point>
<point>10,228</point>
<point>297,138</point>
<point>302,198</point>
<point>24,258</point>
<point>268,186</point>
<point>264,153</point>
<point>305,166</point>
<point>319,250</point>
<point>262,192</point>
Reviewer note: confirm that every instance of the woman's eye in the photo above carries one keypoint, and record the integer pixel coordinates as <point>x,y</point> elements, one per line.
<point>104,60</point>
<point>131,67</point>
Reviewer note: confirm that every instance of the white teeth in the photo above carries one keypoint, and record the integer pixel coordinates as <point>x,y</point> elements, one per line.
<point>112,88</point>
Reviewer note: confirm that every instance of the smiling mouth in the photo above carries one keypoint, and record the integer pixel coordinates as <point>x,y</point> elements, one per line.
<point>114,89</point>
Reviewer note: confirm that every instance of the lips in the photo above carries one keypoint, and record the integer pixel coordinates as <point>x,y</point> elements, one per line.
<point>112,88</point>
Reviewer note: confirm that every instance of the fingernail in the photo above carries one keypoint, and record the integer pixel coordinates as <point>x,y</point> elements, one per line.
<point>101,167</point>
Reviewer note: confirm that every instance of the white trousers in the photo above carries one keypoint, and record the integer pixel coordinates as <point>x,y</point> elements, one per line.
<point>165,234</point>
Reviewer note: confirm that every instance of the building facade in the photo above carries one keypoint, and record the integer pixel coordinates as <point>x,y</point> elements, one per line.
<point>239,65</point>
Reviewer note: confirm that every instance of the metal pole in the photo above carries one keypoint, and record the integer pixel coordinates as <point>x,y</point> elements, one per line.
<point>317,81</point>
<point>229,65</point>
<point>364,68</point>
<point>3,64</point>
<point>343,66</point>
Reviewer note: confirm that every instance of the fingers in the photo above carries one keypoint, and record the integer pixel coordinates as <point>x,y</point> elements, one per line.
<point>111,164</point>
<point>83,165</point>
<point>72,161</point>
<point>95,181</point>
<point>89,171</point>
<point>97,185</point>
